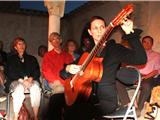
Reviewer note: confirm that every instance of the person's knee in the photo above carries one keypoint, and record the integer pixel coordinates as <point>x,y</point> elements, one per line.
<point>35,94</point>
<point>107,107</point>
<point>146,86</point>
<point>35,88</point>
<point>18,91</point>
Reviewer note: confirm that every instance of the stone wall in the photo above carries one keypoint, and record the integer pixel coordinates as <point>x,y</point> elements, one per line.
<point>145,16</point>
<point>33,28</point>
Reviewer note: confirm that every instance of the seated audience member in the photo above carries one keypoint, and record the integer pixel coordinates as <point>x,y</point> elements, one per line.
<point>23,74</point>
<point>42,49</point>
<point>150,76</point>
<point>150,73</point>
<point>52,63</point>
<point>71,47</point>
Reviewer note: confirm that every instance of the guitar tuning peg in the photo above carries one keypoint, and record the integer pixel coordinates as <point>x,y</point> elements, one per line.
<point>123,20</point>
<point>120,22</point>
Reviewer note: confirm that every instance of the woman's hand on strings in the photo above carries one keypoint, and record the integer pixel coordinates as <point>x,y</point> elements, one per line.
<point>73,69</point>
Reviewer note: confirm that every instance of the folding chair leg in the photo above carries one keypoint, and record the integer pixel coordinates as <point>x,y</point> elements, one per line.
<point>8,106</point>
<point>134,113</point>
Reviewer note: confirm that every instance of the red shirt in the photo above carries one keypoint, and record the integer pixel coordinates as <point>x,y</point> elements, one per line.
<point>53,63</point>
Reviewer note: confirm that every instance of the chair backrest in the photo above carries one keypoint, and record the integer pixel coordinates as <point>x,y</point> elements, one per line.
<point>135,93</point>
<point>127,75</point>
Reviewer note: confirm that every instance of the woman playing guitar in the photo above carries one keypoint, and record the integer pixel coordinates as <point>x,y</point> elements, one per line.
<point>113,55</point>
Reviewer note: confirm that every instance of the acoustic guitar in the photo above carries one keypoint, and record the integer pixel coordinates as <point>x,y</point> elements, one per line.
<point>79,86</point>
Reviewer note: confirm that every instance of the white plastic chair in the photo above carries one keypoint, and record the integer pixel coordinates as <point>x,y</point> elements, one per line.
<point>127,111</point>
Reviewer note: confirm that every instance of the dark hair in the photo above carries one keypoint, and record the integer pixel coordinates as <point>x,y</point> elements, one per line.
<point>151,39</point>
<point>95,18</point>
<point>15,41</point>
<point>40,48</point>
<point>86,35</point>
<point>67,42</point>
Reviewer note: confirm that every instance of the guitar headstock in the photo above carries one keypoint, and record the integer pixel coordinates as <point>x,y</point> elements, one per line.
<point>122,15</point>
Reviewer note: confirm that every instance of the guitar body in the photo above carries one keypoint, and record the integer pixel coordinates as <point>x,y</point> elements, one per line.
<point>82,85</point>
